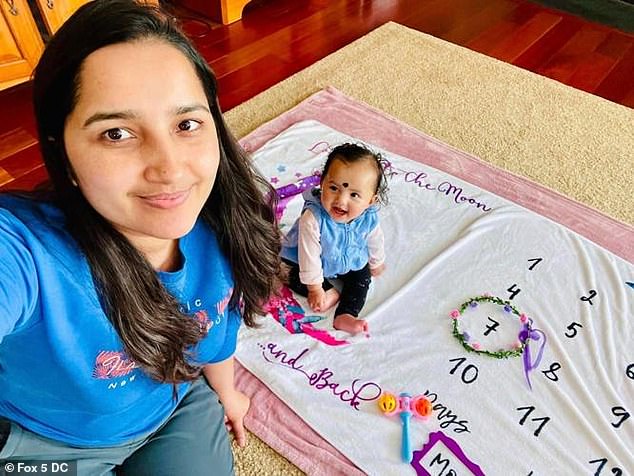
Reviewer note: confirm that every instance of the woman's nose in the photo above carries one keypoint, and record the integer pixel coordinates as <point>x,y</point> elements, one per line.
<point>164,164</point>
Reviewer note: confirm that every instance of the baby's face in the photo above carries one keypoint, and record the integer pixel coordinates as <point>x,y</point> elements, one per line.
<point>348,189</point>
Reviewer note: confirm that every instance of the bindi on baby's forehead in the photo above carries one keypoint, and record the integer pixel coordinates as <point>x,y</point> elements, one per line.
<point>353,174</point>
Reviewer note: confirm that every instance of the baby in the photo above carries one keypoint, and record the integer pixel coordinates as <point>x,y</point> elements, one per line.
<point>338,236</point>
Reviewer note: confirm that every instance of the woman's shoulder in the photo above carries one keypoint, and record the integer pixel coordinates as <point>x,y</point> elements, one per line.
<point>202,251</point>
<point>20,211</point>
<point>202,238</point>
<point>28,206</point>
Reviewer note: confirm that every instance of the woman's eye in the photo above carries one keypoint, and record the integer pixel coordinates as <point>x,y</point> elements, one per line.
<point>189,125</point>
<point>116,134</point>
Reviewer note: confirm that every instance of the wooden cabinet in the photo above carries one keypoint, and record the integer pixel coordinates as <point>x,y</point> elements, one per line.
<point>21,42</point>
<point>55,12</point>
<point>225,11</point>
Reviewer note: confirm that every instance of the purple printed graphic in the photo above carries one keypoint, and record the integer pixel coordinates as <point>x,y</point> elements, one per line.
<point>323,379</point>
<point>320,147</point>
<point>287,192</point>
<point>287,311</point>
<point>439,459</point>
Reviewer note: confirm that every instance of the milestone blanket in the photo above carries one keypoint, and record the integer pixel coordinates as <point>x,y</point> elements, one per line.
<point>517,330</point>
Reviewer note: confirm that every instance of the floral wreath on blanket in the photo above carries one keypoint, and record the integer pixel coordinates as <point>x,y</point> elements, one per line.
<point>521,346</point>
<point>516,349</point>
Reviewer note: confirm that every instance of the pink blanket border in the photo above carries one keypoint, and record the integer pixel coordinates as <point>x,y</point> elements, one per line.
<point>270,418</point>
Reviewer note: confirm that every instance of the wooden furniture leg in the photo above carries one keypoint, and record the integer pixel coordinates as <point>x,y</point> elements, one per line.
<point>232,10</point>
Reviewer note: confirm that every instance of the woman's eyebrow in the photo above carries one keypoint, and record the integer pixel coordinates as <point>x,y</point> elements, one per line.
<point>107,116</point>
<point>191,108</point>
<point>126,115</point>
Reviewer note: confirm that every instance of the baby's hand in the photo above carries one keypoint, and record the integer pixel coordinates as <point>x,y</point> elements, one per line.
<point>316,298</point>
<point>378,270</point>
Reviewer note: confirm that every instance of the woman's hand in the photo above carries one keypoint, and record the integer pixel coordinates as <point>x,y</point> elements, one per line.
<point>236,406</point>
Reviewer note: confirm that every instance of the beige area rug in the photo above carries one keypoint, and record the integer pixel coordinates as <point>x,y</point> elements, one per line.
<point>565,139</point>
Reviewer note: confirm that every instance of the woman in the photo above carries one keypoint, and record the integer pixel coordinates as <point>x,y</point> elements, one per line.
<point>127,280</point>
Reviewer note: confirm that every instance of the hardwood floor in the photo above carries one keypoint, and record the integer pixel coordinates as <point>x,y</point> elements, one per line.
<point>277,38</point>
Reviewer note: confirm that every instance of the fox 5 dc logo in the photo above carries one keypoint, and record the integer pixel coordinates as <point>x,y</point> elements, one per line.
<point>20,467</point>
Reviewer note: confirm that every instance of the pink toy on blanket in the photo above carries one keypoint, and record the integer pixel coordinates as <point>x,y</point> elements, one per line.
<point>289,313</point>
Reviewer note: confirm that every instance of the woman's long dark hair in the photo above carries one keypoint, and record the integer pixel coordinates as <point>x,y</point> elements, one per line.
<point>155,333</point>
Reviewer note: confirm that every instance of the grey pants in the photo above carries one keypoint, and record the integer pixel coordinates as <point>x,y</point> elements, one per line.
<point>193,441</point>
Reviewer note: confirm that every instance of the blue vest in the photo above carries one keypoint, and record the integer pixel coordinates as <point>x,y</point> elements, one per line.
<point>344,246</point>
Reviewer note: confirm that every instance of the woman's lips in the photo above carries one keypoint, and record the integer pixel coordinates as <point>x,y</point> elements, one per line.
<point>166,200</point>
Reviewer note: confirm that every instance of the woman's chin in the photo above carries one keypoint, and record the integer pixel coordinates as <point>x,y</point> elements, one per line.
<point>161,231</point>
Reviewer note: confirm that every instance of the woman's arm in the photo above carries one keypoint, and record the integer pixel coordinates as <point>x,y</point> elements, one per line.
<point>236,404</point>
<point>18,276</point>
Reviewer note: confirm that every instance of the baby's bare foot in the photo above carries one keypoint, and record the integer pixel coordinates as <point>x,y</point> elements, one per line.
<point>349,323</point>
<point>332,298</point>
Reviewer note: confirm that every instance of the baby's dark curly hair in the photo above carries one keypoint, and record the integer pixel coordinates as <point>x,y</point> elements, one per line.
<point>351,152</point>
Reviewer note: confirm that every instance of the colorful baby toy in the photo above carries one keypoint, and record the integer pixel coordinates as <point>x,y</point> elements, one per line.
<point>405,406</point>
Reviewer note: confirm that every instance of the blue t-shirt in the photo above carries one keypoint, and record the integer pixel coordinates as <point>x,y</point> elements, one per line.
<point>63,370</point>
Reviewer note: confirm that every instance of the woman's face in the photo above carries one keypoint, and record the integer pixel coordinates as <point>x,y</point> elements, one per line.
<point>141,140</point>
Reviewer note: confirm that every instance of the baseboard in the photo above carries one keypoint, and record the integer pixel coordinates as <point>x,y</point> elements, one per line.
<point>616,13</point>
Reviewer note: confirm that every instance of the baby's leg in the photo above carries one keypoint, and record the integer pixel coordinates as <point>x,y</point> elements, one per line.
<point>349,323</point>
<point>332,298</point>
<point>293,281</point>
<point>352,299</point>
<point>292,278</point>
